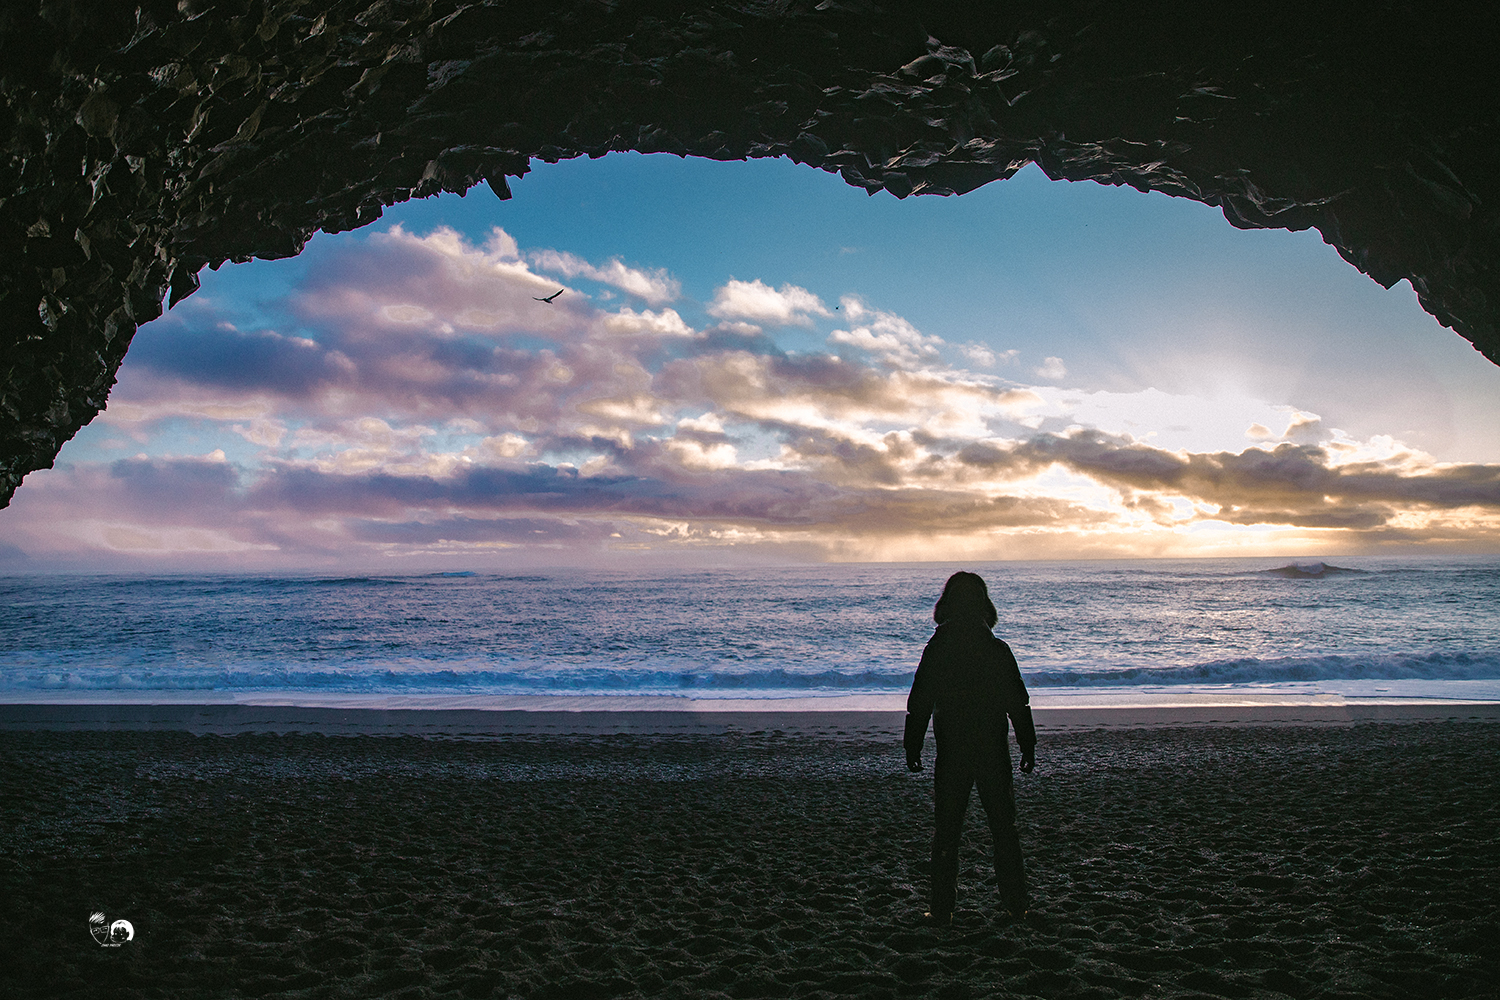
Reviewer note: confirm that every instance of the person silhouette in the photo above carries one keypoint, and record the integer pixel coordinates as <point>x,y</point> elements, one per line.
<point>968,684</point>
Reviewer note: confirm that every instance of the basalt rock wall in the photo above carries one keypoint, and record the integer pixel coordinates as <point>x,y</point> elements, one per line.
<point>142,142</point>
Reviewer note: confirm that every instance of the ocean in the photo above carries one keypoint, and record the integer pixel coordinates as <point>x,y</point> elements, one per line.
<point>1085,633</point>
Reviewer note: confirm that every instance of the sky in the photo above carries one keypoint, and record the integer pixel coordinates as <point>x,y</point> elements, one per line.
<point>752,363</point>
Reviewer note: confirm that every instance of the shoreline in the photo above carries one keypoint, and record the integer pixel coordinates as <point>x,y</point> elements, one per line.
<point>546,717</point>
<point>1330,695</point>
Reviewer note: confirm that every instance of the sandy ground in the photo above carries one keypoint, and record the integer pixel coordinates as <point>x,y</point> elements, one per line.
<point>1243,861</point>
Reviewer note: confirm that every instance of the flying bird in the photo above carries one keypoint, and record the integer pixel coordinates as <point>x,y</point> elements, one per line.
<point>549,298</point>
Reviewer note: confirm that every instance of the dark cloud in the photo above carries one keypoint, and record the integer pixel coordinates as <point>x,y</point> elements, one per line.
<point>452,377</point>
<point>1290,484</point>
<point>764,497</point>
<point>536,505</point>
<point>164,487</point>
<point>759,499</point>
<point>225,358</point>
<point>723,337</point>
<point>845,460</point>
<point>1338,517</point>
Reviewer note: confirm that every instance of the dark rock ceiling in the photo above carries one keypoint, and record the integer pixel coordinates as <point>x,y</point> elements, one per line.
<point>142,142</point>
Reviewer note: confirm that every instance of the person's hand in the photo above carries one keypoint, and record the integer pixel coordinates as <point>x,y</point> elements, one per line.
<point>1028,761</point>
<point>913,763</point>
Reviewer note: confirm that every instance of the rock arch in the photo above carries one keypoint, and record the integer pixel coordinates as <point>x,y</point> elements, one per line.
<point>142,143</point>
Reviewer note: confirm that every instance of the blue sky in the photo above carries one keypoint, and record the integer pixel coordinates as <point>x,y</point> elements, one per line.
<point>762,362</point>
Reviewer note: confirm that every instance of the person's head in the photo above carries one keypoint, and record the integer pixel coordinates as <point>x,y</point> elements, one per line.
<point>965,596</point>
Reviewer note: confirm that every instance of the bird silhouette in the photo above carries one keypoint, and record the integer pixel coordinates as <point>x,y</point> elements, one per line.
<point>549,298</point>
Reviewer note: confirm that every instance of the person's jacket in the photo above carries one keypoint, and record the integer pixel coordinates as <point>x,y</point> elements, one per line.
<point>968,684</point>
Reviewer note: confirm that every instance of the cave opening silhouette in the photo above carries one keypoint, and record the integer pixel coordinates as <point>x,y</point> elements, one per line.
<point>146,142</point>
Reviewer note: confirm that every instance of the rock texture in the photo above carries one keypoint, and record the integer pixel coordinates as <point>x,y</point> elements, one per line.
<point>141,142</point>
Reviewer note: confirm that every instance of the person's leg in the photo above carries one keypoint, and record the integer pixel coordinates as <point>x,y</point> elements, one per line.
<point>952,778</point>
<point>997,796</point>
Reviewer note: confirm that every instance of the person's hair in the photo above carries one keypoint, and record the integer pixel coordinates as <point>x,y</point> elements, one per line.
<point>965,594</point>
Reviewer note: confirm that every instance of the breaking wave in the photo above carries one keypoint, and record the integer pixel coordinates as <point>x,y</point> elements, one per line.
<point>1250,670</point>
<point>711,680</point>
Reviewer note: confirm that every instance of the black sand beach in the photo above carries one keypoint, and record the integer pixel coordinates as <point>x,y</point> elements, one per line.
<point>1188,860</point>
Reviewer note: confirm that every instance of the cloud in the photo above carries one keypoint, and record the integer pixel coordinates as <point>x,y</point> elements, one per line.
<point>884,334</point>
<point>984,356</point>
<point>663,324</point>
<point>1052,369</point>
<point>735,327</point>
<point>826,390</point>
<point>266,433</point>
<point>757,302</point>
<point>1303,427</point>
<point>978,354</point>
<point>394,283</point>
<point>654,286</point>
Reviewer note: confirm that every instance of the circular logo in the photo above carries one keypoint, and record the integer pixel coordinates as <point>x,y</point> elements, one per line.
<point>110,935</point>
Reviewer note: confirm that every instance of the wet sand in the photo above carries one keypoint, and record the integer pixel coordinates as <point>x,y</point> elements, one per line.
<point>1246,860</point>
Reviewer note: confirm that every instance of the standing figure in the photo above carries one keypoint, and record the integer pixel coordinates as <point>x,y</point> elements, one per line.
<point>968,684</point>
